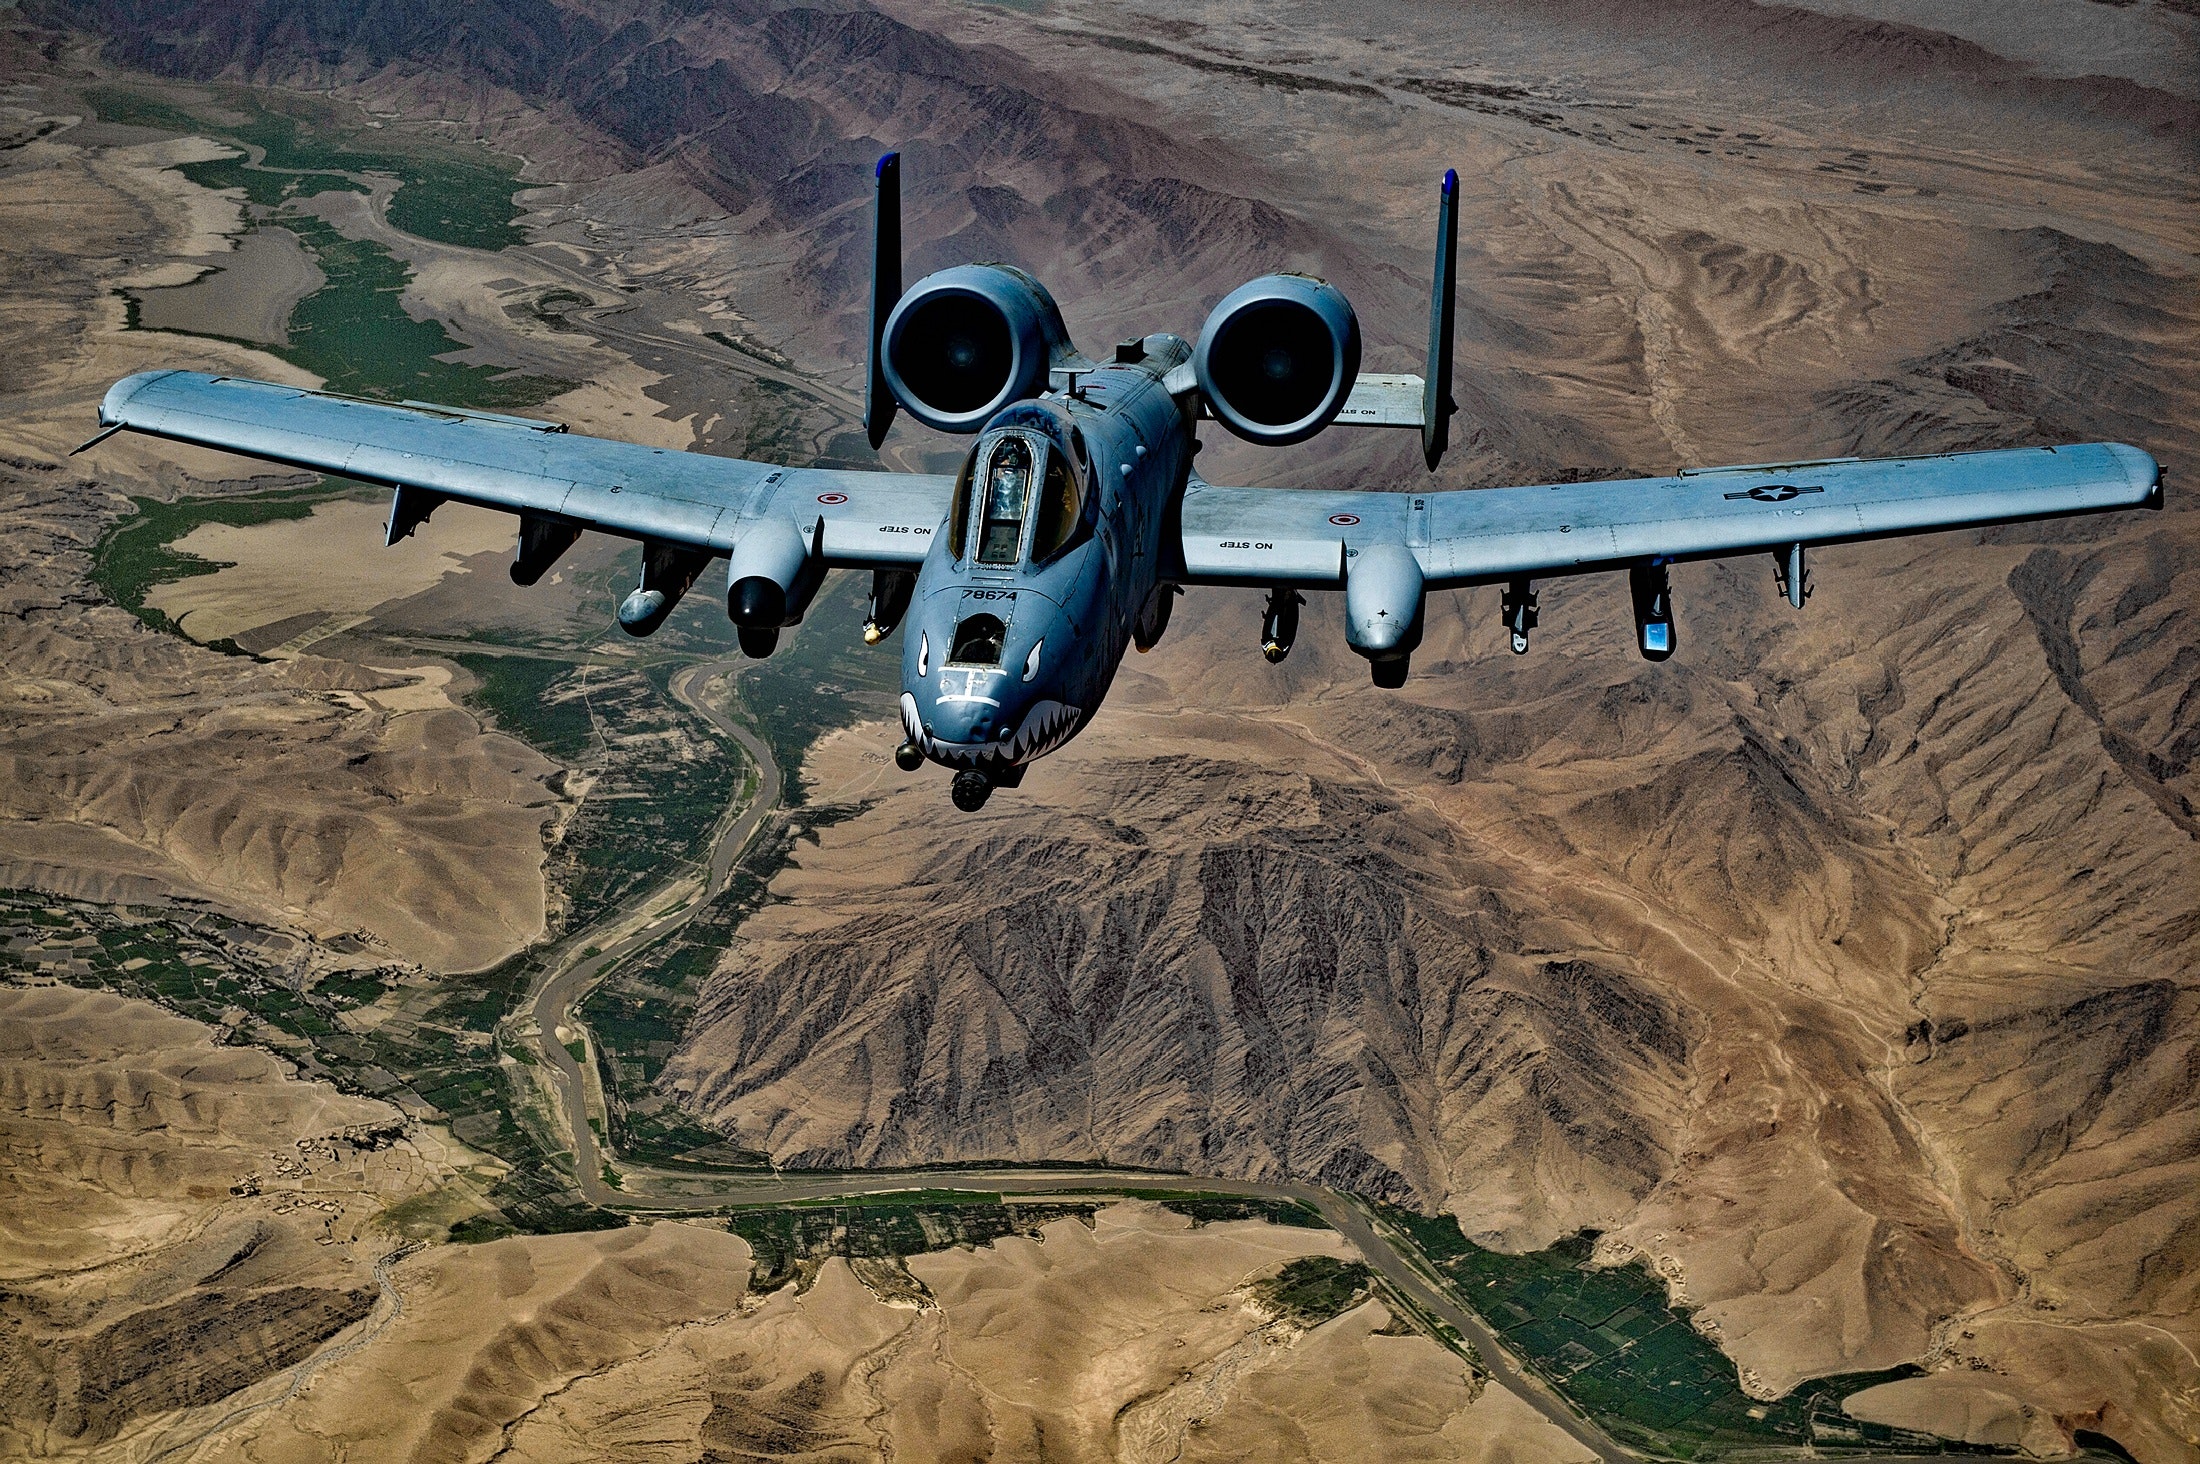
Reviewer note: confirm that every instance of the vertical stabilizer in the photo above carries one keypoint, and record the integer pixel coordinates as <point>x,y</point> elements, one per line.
<point>1436,403</point>
<point>878,400</point>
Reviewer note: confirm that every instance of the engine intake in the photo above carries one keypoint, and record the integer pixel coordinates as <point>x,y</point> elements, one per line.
<point>967,341</point>
<point>1277,358</point>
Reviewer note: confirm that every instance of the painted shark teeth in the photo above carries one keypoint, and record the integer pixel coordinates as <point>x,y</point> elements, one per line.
<point>1045,727</point>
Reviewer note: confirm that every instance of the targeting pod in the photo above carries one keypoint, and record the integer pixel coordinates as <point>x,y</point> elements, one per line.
<point>1792,573</point>
<point>668,572</point>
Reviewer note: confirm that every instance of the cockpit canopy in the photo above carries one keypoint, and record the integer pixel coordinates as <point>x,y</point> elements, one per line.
<point>1024,488</point>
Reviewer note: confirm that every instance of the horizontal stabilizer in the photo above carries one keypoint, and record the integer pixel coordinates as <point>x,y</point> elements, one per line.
<point>1384,399</point>
<point>1377,399</point>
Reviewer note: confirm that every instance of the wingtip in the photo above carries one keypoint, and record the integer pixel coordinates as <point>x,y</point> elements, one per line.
<point>887,161</point>
<point>2141,471</point>
<point>1451,179</point>
<point>118,396</point>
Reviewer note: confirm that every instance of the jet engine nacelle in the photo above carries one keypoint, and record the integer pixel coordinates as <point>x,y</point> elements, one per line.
<point>1277,358</point>
<point>967,341</point>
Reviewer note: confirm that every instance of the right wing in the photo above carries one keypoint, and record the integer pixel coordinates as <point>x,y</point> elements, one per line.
<point>430,454</point>
<point>1273,537</point>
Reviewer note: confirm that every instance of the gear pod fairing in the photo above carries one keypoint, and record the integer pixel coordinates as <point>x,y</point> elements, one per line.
<point>1383,595</point>
<point>967,341</point>
<point>1278,357</point>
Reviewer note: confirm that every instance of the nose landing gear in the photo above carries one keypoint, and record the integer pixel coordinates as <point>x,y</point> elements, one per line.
<point>972,788</point>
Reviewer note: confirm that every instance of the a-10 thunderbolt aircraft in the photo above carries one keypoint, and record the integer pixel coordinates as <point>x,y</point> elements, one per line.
<point>1078,514</point>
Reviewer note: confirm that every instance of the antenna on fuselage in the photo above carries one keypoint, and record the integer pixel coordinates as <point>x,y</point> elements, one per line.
<point>1436,403</point>
<point>879,405</point>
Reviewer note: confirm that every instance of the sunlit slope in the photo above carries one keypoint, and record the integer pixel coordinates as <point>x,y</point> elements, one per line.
<point>1843,963</point>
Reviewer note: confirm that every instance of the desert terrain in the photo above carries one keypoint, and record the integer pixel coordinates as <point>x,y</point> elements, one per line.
<point>1842,970</point>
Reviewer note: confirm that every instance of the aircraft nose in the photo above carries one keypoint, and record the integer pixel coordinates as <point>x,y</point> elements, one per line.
<point>969,720</point>
<point>963,721</point>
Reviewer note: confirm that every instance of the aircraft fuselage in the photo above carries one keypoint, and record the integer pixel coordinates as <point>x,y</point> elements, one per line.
<point>1025,603</point>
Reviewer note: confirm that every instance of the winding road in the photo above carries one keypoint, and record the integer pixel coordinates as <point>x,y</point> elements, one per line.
<point>586,957</point>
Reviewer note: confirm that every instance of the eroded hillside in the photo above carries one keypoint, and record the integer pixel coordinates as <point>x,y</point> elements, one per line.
<point>1844,965</point>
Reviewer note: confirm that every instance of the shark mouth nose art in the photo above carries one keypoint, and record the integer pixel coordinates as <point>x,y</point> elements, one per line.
<point>1046,726</point>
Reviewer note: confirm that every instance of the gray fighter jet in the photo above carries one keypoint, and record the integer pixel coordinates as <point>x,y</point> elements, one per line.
<point>1078,515</point>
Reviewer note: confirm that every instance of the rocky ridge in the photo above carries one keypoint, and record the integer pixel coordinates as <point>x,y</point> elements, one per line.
<point>1884,909</point>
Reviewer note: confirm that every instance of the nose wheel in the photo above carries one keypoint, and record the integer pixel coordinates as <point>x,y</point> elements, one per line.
<point>971,790</point>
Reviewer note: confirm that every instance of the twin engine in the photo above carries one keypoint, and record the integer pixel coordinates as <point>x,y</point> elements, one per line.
<point>968,341</point>
<point>1276,358</point>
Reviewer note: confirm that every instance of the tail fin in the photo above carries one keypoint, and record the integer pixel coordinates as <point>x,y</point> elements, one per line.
<point>879,405</point>
<point>1436,403</point>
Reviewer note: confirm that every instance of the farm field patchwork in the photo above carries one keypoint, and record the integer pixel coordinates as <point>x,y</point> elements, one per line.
<point>1608,1338</point>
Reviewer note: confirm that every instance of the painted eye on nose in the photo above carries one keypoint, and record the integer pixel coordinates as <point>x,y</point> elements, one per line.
<point>1031,662</point>
<point>924,653</point>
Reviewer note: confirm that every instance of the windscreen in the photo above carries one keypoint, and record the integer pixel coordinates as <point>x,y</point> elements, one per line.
<point>1060,508</point>
<point>1007,495</point>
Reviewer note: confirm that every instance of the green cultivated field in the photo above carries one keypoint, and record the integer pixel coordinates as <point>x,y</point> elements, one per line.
<point>353,332</point>
<point>138,553</point>
<point>1611,1343</point>
<point>822,677</point>
<point>1313,1289</point>
<point>432,1045</point>
<point>451,193</point>
<point>791,1242</point>
<point>531,698</point>
<point>662,775</point>
<point>641,1010</point>
<point>1205,1209</point>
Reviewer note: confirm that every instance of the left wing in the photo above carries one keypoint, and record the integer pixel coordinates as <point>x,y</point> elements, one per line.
<point>1276,537</point>
<point>559,482</point>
